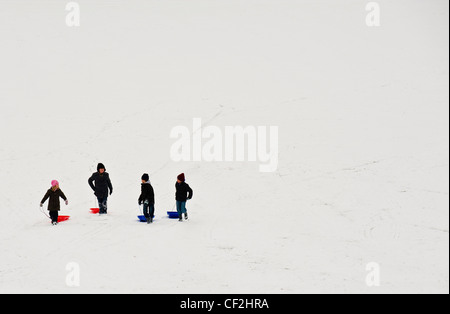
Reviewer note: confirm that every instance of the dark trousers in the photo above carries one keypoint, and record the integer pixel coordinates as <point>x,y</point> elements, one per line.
<point>54,216</point>
<point>103,204</point>
<point>149,210</point>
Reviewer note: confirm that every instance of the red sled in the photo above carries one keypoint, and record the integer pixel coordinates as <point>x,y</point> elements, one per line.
<point>95,210</point>
<point>63,218</point>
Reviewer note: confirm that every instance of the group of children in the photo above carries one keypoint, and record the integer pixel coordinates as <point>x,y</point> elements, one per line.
<point>102,187</point>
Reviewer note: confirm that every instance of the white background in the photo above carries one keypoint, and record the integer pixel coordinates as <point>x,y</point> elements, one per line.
<point>363,120</point>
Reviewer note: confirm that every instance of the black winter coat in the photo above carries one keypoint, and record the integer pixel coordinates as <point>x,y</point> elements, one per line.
<point>184,192</point>
<point>147,194</point>
<point>53,197</point>
<point>102,184</point>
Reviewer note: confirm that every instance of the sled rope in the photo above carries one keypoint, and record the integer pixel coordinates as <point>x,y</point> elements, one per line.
<point>42,211</point>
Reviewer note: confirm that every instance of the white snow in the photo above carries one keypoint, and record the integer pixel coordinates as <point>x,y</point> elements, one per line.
<point>363,145</point>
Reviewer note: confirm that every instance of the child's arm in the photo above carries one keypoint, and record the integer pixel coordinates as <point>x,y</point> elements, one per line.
<point>141,197</point>
<point>91,182</point>
<point>64,197</point>
<point>47,195</point>
<point>152,195</point>
<point>190,193</point>
<point>110,186</point>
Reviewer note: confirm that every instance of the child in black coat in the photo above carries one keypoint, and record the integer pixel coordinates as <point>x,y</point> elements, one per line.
<point>183,194</point>
<point>147,198</point>
<point>53,195</point>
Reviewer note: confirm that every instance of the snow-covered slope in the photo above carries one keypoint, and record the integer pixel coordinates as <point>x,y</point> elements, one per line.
<point>363,145</point>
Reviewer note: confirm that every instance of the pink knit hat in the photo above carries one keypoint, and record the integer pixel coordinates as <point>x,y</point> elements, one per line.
<point>55,183</point>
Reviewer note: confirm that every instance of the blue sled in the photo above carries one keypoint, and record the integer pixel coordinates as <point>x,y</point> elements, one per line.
<point>143,219</point>
<point>173,215</point>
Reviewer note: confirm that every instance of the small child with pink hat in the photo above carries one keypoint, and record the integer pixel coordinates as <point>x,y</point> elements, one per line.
<point>53,195</point>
